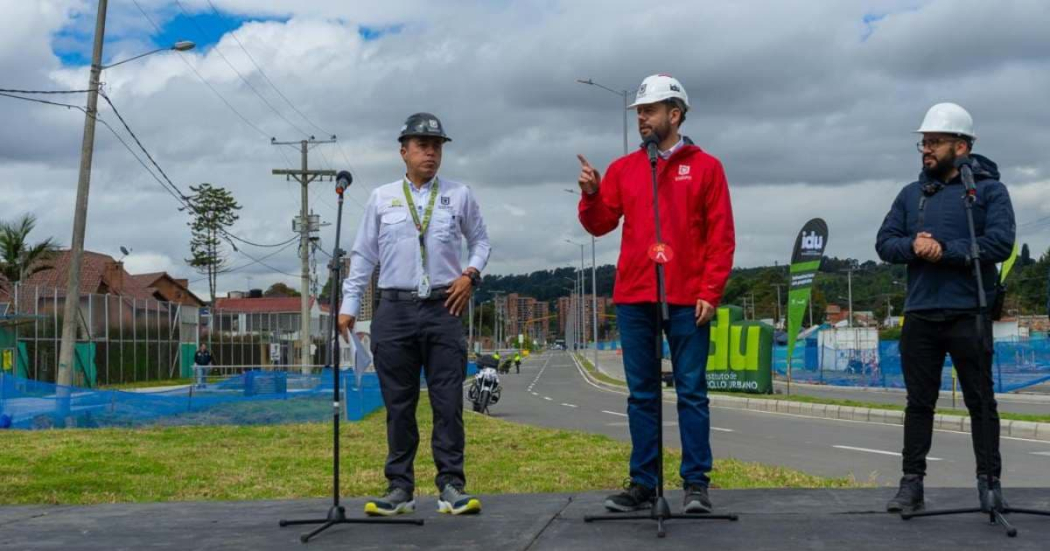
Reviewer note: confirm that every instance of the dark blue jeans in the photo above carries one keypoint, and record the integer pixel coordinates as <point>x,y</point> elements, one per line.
<point>689,345</point>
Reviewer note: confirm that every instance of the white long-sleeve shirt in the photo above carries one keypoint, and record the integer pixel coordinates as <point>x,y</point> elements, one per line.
<point>387,235</point>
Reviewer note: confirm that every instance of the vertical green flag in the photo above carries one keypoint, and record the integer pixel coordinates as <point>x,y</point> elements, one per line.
<point>805,261</point>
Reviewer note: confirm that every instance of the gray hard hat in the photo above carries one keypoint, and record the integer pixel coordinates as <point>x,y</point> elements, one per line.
<point>422,124</point>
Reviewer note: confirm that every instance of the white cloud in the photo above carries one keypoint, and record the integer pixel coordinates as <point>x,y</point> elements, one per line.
<point>808,118</point>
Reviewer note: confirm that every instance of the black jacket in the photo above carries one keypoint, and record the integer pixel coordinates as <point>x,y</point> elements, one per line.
<point>202,357</point>
<point>949,284</point>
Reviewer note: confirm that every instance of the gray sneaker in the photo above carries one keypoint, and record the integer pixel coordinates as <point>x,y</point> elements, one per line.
<point>696,500</point>
<point>454,501</point>
<point>397,501</point>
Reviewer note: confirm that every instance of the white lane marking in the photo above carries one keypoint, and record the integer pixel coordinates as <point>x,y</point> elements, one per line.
<point>569,405</point>
<point>535,393</point>
<point>548,398</point>
<point>720,429</point>
<point>614,413</point>
<point>880,452</point>
<point>540,374</point>
<point>1041,453</point>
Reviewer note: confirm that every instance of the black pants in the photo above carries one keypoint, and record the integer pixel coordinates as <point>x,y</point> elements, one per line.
<point>923,345</point>
<point>407,337</point>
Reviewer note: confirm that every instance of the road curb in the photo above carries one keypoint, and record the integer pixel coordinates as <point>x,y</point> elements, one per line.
<point>1016,429</point>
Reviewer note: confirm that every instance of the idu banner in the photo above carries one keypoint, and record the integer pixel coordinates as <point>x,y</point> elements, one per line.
<point>740,357</point>
<point>805,261</point>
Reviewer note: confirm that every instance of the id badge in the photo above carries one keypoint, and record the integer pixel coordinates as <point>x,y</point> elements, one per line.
<point>423,290</point>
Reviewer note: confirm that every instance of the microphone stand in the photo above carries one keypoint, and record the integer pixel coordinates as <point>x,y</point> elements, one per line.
<point>337,513</point>
<point>660,511</point>
<point>995,510</point>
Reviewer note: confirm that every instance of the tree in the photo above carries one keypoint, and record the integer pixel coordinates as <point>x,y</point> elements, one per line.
<point>18,259</point>
<point>280,290</point>
<point>213,210</point>
<point>1026,256</point>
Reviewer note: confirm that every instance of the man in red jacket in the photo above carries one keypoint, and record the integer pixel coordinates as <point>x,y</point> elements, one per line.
<point>696,225</point>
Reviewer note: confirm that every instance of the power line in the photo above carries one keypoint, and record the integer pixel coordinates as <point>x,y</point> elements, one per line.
<point>204,80</point>
<point>34,100</point>
<point>44,91</point>
<point>243,79</point>
<point>265,76</point>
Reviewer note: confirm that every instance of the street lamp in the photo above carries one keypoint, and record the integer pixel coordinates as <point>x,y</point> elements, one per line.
<point>573,306</point>
<point>180,46</point>
<point>87,150</point>
<point>594,293</point>
<point>622,93</point>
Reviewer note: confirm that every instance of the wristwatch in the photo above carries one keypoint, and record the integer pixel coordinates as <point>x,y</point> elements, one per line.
<point>475,277</point>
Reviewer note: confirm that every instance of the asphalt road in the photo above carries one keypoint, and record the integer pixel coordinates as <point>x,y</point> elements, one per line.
<point>551,392</point>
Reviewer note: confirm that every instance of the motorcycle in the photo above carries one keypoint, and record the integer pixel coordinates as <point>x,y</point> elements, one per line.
<point>485,390</point>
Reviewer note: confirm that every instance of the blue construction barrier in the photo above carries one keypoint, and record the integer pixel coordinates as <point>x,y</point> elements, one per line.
<point>1017,364</point>
<point>252,398</point>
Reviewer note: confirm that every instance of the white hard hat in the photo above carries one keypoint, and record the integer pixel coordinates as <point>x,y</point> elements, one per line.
<point>948,118</point>
<point>657,88</point>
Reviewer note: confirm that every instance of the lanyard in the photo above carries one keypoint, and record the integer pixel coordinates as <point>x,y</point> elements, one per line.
<point>421,227</point>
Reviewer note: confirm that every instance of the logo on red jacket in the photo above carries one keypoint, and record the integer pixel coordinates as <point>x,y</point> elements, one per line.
<point>661,253</point>
<point>683,173</point>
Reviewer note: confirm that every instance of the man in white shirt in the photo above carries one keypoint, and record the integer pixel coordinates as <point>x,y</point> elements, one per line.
<point>413,229</point>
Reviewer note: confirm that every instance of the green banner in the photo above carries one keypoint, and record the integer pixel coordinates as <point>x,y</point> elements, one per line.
<point>740,357</point>
<point>805,262</point>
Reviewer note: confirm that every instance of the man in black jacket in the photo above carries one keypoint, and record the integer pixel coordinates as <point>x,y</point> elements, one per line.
<point>927,229</point>
<point>201,361</point>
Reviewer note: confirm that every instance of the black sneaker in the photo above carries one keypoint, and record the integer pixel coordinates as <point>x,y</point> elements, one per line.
<point>997,491</point>
<point>696,500</point>
<point>396,502</point>
<point>910,496</point>
<point>634,497</point>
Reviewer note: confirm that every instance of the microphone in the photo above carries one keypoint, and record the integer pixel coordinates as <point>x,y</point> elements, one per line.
<point>343,181</point>
<point>652,147</point>
<point>965,167</point>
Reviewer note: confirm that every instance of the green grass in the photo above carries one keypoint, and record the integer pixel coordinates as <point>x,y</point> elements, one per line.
<point>598,375</point>
<point>1037,418</point>
<point>80,466</point>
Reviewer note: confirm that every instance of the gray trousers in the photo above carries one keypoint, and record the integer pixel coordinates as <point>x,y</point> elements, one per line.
<point>407,337</point>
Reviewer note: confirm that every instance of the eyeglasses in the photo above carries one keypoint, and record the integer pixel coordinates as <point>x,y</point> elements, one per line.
<point>933,143</point>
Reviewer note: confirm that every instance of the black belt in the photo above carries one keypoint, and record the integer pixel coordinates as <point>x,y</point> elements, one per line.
<point>437,293</point>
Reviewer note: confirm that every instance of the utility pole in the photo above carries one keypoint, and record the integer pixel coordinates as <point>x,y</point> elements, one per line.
<point>304,176</point>
<point>778,286</point>
<point>71,308</point>
<point>594,302</point>
<point>849,279</point>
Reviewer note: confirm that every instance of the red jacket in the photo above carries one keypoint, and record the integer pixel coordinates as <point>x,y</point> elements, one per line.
<point>696,221</point>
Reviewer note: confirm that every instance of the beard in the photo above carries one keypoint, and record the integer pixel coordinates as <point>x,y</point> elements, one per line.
<point>941,168</point>
<point>661,130</point>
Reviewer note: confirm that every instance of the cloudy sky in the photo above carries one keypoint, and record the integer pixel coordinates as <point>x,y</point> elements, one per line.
<point>808,104</point>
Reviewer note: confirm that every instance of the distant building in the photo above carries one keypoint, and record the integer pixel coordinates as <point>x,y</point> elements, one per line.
<point>526,316</point>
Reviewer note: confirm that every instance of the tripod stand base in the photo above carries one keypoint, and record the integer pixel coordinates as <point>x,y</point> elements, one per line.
<point>995,516</point>
<point>660,513</point>
<point>337,515</point>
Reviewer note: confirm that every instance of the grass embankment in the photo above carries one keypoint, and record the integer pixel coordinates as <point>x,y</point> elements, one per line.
<point>84,466</point>
<point>1038,418</point>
